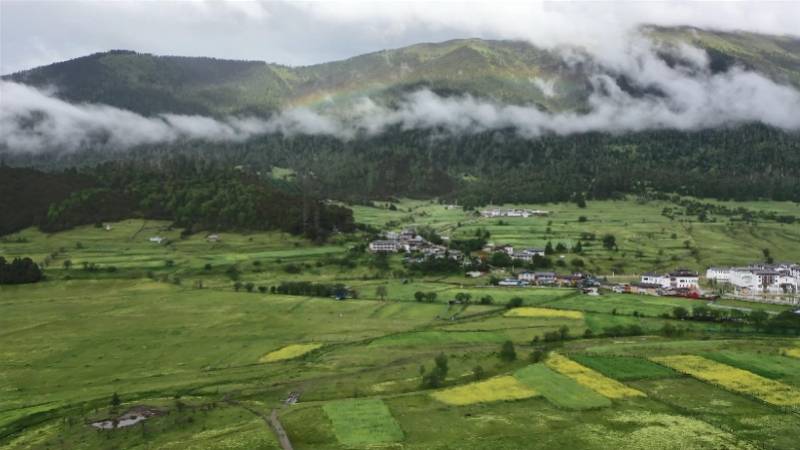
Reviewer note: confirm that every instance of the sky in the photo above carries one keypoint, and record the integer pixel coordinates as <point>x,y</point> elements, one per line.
<point>39,32</point>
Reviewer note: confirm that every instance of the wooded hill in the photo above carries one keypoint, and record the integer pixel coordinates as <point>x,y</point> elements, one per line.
<point>194,196</point>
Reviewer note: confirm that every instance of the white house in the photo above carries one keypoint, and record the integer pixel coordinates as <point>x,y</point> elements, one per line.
<point>718,273</point>
<point>679,279</point>
<point>384,246</point>
<point>157,239</point>
<point>759,278</point>
<point>527,276</point>
<point>684,279</point>
<point>662,280</point>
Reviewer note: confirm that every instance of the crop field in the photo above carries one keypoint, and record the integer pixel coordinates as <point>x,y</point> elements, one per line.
<point>560,390</point>
<point>543,312</point>
<point>591,379</point>
<point>624,368</point>
<point>497,389</point>
<point>363,422</point>
<point>734,379</point>
<point>289,352</point>
<point>192,330</point>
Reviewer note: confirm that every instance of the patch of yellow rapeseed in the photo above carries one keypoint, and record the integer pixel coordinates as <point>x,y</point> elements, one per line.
<point>491,390</point>
<point>591,379</point>
<point>733,379</point>
<point>529,311</point>
<point>289,352</point>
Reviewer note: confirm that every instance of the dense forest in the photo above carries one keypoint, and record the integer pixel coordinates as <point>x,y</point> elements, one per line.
<point>743,163</point>
<point>193,194</point>
<point>19,271</point>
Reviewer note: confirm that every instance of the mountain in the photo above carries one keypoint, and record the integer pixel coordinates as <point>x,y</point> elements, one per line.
<point>506,71</point>
<point>732,154</point>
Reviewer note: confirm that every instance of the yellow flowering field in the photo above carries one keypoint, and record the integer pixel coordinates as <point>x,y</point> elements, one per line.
<point>591,379</point>
<point>731,378</point>
<point>289,352</point>
<point>793,352</point>
<point>529,311</point>
<point>492,390</point>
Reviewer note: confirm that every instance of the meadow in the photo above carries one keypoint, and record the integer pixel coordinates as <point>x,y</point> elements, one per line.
<point>164,327</point>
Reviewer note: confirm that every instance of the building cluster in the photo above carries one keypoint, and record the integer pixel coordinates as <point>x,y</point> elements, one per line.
<point>759,279</point>
<point>681,282</point>
<point>513,212</point>
<point>408,241</point>
<point>526,254</point>
<point>549,279</point>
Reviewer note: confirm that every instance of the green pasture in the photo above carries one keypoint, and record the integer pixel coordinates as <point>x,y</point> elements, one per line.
<point>364,422</point>
<point>560,390</point>
<point>165,328</point>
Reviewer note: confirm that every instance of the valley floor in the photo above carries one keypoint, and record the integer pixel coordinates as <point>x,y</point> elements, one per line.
<point>167,333</point>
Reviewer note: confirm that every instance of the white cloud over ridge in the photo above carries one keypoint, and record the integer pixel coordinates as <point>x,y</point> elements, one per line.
<point>690,98</point>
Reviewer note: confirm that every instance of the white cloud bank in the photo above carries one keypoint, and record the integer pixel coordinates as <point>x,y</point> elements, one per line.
<point>690,97</point>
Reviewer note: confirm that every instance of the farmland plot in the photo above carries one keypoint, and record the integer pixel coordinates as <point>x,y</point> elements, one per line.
<point>594,380</point>
<point>492,390</point>
<point>733,379</point>
<point>360,422</point>
<point>560,390</point>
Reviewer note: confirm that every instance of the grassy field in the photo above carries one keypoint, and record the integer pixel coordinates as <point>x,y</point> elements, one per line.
<point>163,328</point>
<point>560,390</point>
<point>365,422</point>
<point>646,239</point>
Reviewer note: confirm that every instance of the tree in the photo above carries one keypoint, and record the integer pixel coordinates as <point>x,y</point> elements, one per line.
<point>680,313</point>
<point>419,296</point>
<point>538,355</point>
<point>381,292</point>
<point>563,332</point>
<point>249,286</point>
<point>561,248</point>
<point>463,297</point>
<point>237,285</point>
<point>578,248</point>
<point>487,300</point>
<point>609,242</point>
<point>438,373</point>
<point>262,289</point>
<point>507,352</point>
<point>514,302</point>
<point>758,317</point>
<point>548,249</point>
<point>67,264</point>
<point>115,401</point>
<point>478,373</point>
<point>430,297</point>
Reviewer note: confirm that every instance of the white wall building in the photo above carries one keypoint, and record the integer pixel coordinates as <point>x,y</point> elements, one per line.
<point>774,279</point>
<point>679,279</point>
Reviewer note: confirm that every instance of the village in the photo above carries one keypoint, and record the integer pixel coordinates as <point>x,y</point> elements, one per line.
<point>757,282</point>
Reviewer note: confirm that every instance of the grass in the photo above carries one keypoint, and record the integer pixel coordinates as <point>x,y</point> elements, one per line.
<point>765,364</point>
<point>624,368</point>
<point>496,389</point>
<point>148,332</point>
<point>589,378</point>
<point>528,311</point>
<point>560,390</point>
<point>734,379</point>
<point>363,422</point>
<point>289,352</point>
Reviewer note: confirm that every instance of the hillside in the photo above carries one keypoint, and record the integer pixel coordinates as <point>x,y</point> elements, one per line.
<point>507,71</point>
<point>710,140</point>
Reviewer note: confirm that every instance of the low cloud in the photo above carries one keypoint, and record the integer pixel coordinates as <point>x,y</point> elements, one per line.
<point>684,96</point>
